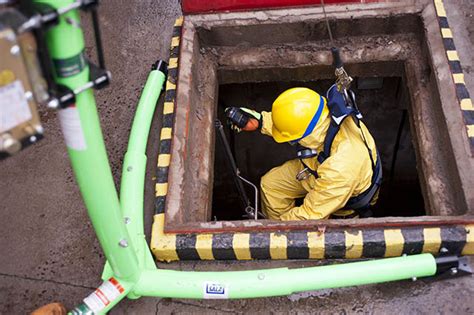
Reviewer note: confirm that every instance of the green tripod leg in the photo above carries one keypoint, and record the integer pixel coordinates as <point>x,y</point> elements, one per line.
<point>83,135</point>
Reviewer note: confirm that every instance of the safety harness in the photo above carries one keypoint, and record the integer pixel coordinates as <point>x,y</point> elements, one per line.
<point>339,111</point>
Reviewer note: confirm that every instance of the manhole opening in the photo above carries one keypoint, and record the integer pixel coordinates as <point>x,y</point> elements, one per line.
<point>238,60</point>
<point>384,103</point>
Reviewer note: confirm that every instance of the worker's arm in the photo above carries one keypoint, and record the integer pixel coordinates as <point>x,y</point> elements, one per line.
<point>242,118</point>
<point>333,188</point>
<point>267,123</point>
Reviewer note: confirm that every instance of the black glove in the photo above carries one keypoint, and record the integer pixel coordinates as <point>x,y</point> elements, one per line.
<point>239,118</point>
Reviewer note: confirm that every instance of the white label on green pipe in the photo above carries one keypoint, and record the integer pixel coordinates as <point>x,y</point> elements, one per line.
<point>215,290</point>
<point>72,129</point>
<point>104,295</point>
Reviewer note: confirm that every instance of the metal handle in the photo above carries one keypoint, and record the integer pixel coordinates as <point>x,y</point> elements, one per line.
<point>243,195</point>
<point>336,58</point>
<point>255,209</point>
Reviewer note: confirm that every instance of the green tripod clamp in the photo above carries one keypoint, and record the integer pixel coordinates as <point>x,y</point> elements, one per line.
<point>343,80</point>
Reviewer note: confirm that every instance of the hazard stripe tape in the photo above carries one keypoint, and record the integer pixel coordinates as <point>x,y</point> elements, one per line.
<point>334,243</point>
<point>469,247</point>
<point>259,245</point>
<point>298,245</point>
<point>374,243</point>
<point>204,246</point>
<point>462,93</point>
<point>453,238</point>
<point>470,130</point>
<point>186,247</point>
<point>354,244</point>
<point>161,189</point>
<point>164,150</point>
<point>316,243</point>
<point>223,247</point>
<point>414,241</point>
<point>440,11</point>
<point>163,245</point>
<point>394,243</point>
<point>278,245</point>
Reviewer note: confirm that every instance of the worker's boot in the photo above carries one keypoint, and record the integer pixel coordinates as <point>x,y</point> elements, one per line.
<point>344,214</point>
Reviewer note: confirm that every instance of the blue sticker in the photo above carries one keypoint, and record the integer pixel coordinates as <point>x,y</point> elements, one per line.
<point>215,290</point>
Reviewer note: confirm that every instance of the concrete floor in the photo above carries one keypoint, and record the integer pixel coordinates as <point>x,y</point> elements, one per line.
<point>48,248</point>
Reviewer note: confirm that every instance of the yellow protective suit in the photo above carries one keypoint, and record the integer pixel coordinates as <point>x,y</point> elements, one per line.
<point>347,172</point>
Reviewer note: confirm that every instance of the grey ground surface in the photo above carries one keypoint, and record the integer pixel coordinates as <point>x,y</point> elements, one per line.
<point>48,251</point>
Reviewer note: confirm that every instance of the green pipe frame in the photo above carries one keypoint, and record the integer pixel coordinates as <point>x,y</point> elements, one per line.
<point>119,225</point>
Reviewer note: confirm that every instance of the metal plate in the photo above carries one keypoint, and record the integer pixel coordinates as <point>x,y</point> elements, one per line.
<point>19,120</point>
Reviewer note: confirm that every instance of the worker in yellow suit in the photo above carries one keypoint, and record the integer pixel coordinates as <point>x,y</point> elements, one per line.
<point>300,115</point>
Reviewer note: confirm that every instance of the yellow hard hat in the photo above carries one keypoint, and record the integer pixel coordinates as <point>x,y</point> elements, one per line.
<point>295,113</point>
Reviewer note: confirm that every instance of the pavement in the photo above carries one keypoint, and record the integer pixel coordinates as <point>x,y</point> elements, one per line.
<point>48,250</point>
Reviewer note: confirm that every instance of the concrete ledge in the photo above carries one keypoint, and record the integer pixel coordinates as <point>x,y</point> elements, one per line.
<point>317,244</point>
<point>164,151</point>
<point>455,67</point>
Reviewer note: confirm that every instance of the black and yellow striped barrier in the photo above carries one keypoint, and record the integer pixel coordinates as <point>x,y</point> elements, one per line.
<point>164,151</point>
<point>337,243</point>
<point>330,243</point>
<point>462,93</point>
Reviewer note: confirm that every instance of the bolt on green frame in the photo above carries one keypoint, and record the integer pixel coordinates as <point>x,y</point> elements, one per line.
<point>119,225</point>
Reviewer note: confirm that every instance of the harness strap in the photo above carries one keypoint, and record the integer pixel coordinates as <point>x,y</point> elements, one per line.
<point>339,112</point>
<point>361,202</point>
<point>310,170</point>
<point>329,139</point>
<point>368,149</point>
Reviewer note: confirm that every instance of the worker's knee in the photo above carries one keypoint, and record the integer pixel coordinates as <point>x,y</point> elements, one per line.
<point>266,182</point>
